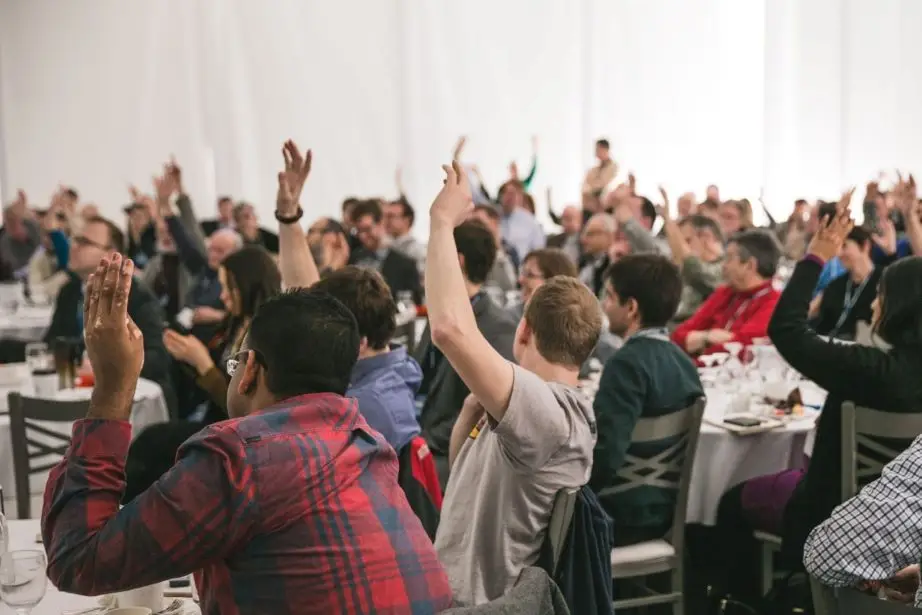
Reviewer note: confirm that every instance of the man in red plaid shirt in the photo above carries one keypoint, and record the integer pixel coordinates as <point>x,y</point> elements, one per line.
<point>291,506</point>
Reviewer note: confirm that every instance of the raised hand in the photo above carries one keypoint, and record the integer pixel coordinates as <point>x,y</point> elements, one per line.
<point>114,343</point>
<point>828,240</point>
<point>454,202</point>
<point>886,238</point>
<point>291,180</point>
<point>663,210</point>
<point>174,173</point>
<point>513,171</point>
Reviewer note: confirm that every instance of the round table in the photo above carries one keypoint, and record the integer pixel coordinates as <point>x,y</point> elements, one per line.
<point>23,535</point>
<point>149,408</point>
<point>26,324</point>
<point>724,459</point>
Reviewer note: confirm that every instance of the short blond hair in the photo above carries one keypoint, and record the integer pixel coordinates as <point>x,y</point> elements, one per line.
<point>566,319</point>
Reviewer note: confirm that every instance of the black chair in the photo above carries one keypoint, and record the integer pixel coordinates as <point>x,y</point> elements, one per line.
<point>34,443</point>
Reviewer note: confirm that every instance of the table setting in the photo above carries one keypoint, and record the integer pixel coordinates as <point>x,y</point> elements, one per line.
<point>25,590</point>
<point>754,383</point>
<point>44,376</point>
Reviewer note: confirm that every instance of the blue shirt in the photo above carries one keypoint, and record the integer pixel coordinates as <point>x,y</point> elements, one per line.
<point>385,387</point>
<point>831,270</point>
<point>523,232</point>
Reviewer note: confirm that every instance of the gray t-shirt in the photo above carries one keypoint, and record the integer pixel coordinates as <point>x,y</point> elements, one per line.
<point>501,491</point>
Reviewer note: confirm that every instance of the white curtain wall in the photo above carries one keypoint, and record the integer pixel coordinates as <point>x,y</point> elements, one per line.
<point>786,97</point>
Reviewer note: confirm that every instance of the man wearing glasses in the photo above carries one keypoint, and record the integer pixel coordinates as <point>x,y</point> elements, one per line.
<point>98,237</point>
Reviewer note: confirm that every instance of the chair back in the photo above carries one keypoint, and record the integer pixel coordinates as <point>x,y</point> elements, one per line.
<point>36,448</point>
<point>870,440</point>
<point>847,601</point>
<point>559,527</point>
<point>670,469</point>
<point>418,476</point>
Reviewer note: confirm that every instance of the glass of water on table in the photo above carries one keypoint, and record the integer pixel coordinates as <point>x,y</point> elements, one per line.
<point>22,579</point>
<point>40,361</point>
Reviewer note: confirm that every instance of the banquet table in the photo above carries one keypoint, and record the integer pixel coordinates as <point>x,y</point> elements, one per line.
<point>149,408</point>
<point>26,324</point>
<point>724,459</point>
<point>23,535</point>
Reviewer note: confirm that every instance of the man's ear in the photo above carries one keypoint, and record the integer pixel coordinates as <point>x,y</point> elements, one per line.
<point>461,262</point>
<point>247,383</point>
<point>363,345</point>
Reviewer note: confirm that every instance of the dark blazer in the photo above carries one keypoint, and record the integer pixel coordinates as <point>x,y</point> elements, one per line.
<point>556,241</point>
<point>267,239</point>
<point>598,274</point>
<point>446,390</point>
<point>146,312</point>
<point>398,270</point>
<point>210,226</point>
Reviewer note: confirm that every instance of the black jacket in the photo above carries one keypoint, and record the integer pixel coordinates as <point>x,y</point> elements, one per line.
<point>398,270</point>
<point>146,313</point>
<point>444,389</point>
<point>869,377</point>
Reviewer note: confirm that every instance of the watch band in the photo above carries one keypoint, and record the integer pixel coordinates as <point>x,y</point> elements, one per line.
<point>289,219</point>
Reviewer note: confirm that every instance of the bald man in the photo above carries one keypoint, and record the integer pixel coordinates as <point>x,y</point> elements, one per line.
<point>571,221</point>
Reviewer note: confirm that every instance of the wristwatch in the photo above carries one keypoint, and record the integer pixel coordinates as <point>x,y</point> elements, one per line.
<point>289,219</point>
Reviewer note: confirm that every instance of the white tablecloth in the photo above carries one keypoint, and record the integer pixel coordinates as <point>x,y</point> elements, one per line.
<point>724,459</point>
<point>149,408</point>
<point>23,536</point>
<point>27,324</point>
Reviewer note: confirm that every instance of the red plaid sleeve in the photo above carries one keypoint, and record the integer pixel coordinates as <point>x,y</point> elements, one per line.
<point>196,512</point>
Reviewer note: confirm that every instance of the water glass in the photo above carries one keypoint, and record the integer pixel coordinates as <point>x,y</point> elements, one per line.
<point>22,579</point>
<point>39,357</point>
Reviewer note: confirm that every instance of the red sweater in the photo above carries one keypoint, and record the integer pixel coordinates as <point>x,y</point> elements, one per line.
<point>745,314</point>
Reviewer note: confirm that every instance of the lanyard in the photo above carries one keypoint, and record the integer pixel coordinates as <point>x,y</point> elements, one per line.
<point>851,298</point>
<point>743,305</point>
<point>653,333</point>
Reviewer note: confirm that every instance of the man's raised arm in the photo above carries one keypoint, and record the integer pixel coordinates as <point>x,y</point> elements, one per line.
<point>451,317</point>
<point>296,262</point>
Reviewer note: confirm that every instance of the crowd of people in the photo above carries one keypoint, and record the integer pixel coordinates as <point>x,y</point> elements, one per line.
<point>299,488</point>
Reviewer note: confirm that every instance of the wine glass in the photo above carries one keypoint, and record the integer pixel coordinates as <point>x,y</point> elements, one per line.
<point>22,579</point>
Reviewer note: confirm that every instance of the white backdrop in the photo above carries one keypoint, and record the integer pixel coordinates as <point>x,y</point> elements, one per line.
<point>793,97</point>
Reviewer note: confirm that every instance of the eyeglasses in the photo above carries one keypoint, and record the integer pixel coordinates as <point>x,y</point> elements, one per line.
<point>531,275</point>
<point>80,240</point>
<point>231,365</point>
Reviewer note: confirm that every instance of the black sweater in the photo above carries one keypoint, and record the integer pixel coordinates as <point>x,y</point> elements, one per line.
<point>833,302</point>
<point>870,377</point>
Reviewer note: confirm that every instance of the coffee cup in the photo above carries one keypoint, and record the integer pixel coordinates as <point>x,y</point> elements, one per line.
<point>149,597</point>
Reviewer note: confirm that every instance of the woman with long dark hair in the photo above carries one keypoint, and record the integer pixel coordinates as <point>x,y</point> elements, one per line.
<point>793,502</point>
<point>248,278</point>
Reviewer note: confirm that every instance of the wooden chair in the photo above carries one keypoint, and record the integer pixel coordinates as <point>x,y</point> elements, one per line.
<point>870,440</point>
<point>667,554</point>
<point>31,454</point>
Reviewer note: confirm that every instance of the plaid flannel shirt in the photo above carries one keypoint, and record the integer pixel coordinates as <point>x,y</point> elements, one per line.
<point>294,509</point>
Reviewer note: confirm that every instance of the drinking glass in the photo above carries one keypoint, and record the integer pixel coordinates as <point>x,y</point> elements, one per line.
<point>22,579</point>
<point>39,357</point>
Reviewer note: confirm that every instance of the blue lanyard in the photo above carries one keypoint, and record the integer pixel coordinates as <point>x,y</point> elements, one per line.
<point>851,298</point>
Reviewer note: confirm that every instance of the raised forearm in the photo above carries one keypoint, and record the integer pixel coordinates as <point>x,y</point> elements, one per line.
<point>448,305</point>
<point>677,244</point>
<point>296,262</point>
<point>914,234</point>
